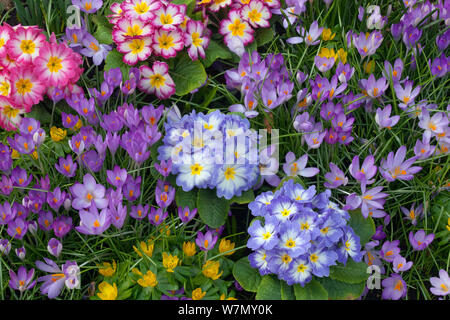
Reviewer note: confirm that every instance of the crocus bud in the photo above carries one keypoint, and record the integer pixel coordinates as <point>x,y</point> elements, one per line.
<point>21,252</point>
<point>54,247</point>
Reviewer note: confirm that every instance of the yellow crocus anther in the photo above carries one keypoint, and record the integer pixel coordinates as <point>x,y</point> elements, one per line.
<point>211,269</point>
<point>108,269</point>
<point>226,245</point>
<point>170,262</point>
<point>198,294</point>
<point>189,249</point>
<point>57,134</point>
<point>107,291</point>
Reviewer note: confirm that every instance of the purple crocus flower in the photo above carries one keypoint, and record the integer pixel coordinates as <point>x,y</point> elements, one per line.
<point>6,186</point>
<point>420,241</point>
<point>92,222</point>
<point>341,123</point>
<point>383,117</point>
<point>364,173</point>
<point>7,213</point>
<point>440,66</point>
<point>315,138</point>
<point>367,44</point>
<point>394,167</point>
<point>372,87</point>
<point>103,95</point>
<point>112,141</point>
<point>21,253</point>
<point>369,200</point>
<point>443,40</point>
<point>323,63</point>
<point>412,214</point>
<point>344,72</point>
<point>5,247</point>
<point>54,247</point>
<point>314,33</point>
<point>406,94</point>
<point>411,36</point>
<point>390,250</point>
<point>268,166</point>
<point>117,176</point>
<point>45,220</point>
<point>441,285</point>
<point>56,198</point>
<point>206,241</point>
<point>394,287</point>
<point>423,149</point>
<point>117,215</point>
<point>23,280</point>
<point>294,167</point>
<point>400,265</point>
<point>5,158</point>
<point>88,6</point>
<point>139,212</point>
<point>17,228</point>
<point>335,178</point>
<point>304,122</point>
<point>20,177</point>
<point>132,188</point>
<point>53,283</point>
<point>62,225</point>
<point>69,120</point>
<point>394,72</point>
<point>164,198</point>
<point>113,77</point>
<point>157,216</point>
<point>112,122</point>
<point>88,193</point>
<point>164,168</point>
<point>151,115</point>
<point>186,214</point>
<point>435,124</point>
<point>92,48</point>
<point>23,144</point>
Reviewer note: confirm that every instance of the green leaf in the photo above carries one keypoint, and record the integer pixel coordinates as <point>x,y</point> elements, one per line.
<point>287,291</point>
<point>269,289</point>
<point>363,227</point>
<point>186,199</point>
<point>248,277</point>
<point>190,5</point>
<point>264,36</point>
<point>246,197</point>
<point>338,290</point>
<point>104,29</point>
<point>188,75</point>
<point>311,291</point>
<point>212,210</point>
<point>115,60</point>
<point>352,272</point>
<point>215,51</point>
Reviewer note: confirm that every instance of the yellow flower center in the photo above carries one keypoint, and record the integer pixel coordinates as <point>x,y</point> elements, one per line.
<point>157,80</point>
<point>165,41</point>
<point>54,64</point>
<point>166,19</point>
<point>27,46</point>
<point>136,46</point>
<point>230,173</point>
<point>254,15</point>
<point>196,40</point>
<point>24,86</point>
<point>196,169</point>
<point>237,28</point>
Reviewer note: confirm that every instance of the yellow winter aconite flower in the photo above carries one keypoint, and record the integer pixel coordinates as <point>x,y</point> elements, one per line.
<point>223,297</point>
<point>107,291</point>
<point>35,155</point>
<point>170,262</point>
<point>369,67</point>
<point>108,270</point>
<point>326,34</point>
<point>147,280</point>
<point>198,294</point>
<point>226,245</point>
<point>15,154</point>
<point>328,53</point>
<point>189,248</point>
<point>78,125</point>
<point>57,134</point>
<point>211,269</point>
<point>342,55</point>
<point>146,248</point>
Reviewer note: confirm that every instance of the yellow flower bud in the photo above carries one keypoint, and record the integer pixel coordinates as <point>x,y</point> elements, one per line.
<point>170,262</point>
<point>226,245</point>
<point>148,279</point>
<point>107,291</point>
<point>211,269</point>
<point>369,67</point>
<point>189,249</point>
<point>57,134</point>
<point>108,270</point>
<point>35,155</point>
<point>15,154</point>
<point>342,55</point>
<point>198,294</point>
<point>78,125</point>
<point>326,34</point>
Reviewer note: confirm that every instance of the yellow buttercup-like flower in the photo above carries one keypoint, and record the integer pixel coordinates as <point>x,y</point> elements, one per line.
<point>342,55</point>
<point>223,297</point>
<point>328,53</point>
<point>34,155</point>
<point>189,248</point>
<point>147,280</point>
<point>448,224</point>
<point>108,269</point>
<point>211,269</point>
<point>78,125</point>
<point>107,291</point>
<point>326,34</point>
<point>15,154</point>
<point>198,294</point>
<point>146,248</point>
<point>170,262</point>
<point>57,134</point>
<point>226,245</point>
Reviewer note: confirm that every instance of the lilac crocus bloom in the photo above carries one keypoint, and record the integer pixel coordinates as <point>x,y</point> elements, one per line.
<point>344,72</point>
<point>304,122</point>
<point>206,241</point>
<point>92,48</point>
<point>364,173</point>
<point>315,138</point>
<point>23,280</point>
<point>372,87</point>
<point>323,63</point>
<point>411,36</point>
<point>412,214</point>
<point>56,198</point>
<point>132,188</point>
<point>394,167</point>
<point>435,124</point>
<point>88,6</point>
<point>7,213</point>
<point>186,214</point>
<point>62,225</point>
<point>92,222</point>
<point>139,212</point>
<point>53,283</point>
<point>394,72</point>
<point>151,115</point>
<point>441,285</point>
<point>297,167</point>
<point>157,216</point>
<point>69,120</point>
<point>45,220</point>
<point>406,94</point>
<point>104,94</point>
<point>88,193</point>
<point>117,176</point>
<point>360,13</point>
<point>314,33</point>
<point>112,122</point>
<point>400,265</point>
<point>54,246</point>
<point>335,178</point>
<point>420,241</point>
<point>367,44</point>
<point>164,197</point>
<point>443,40</point>
<point>20,177</point>
<point>390,250</point>
<point>112,141</point>
<point>113,77</point>
<point>394,288</point>
<point>439,66</point>
<point>383,117</point>
<point>5,247</point>
<point>164,168</point>
<point>372,256</point>
<point>370,199</point>
<point>423,149</point>
<point>23,144</point>
<point>117,214</point>
<point>17,228</point>
<point>21,253</point>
